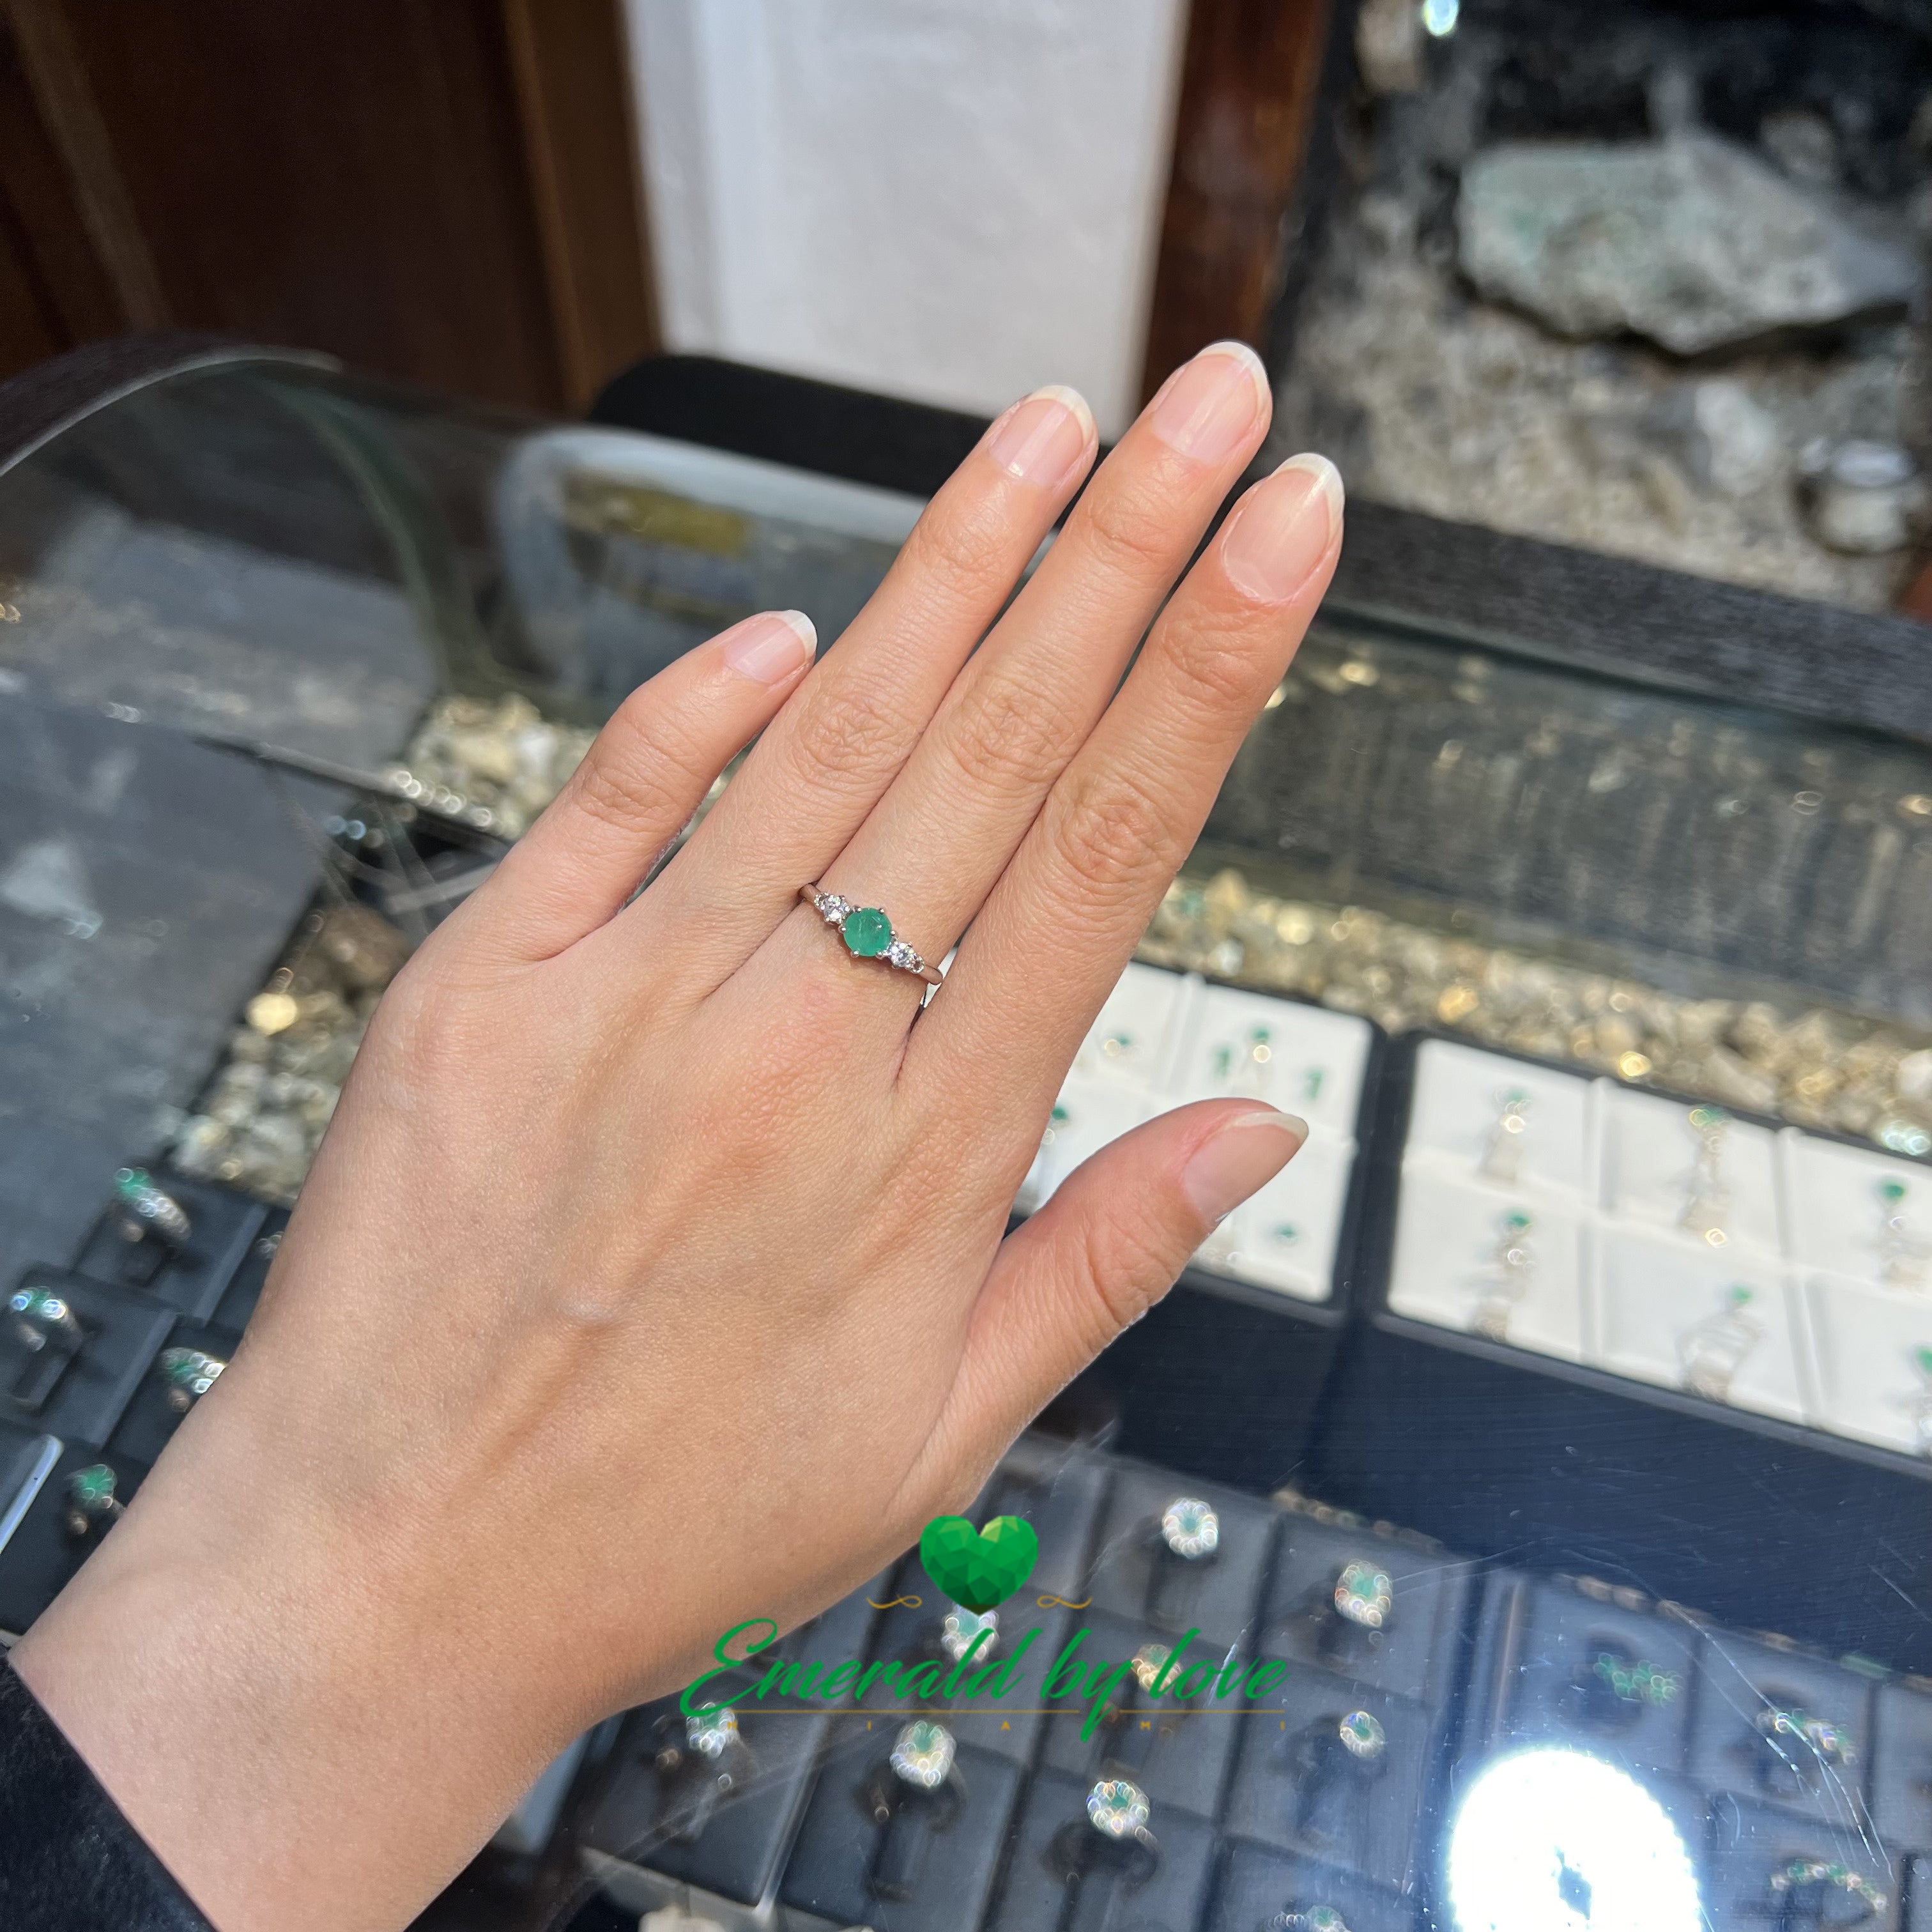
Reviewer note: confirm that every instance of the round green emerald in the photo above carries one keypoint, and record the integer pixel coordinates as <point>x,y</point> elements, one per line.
<point>92,1486</point>
<point>867,931</point>
<point>1891,1190</point>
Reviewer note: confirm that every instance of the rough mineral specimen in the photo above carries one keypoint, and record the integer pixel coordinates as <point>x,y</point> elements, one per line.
<point>1692,241</point>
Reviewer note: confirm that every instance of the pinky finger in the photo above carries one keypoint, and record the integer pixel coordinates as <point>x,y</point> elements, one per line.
<point>639,783</point>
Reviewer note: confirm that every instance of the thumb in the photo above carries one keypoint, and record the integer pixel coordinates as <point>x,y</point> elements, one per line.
<point>1103,1251</point>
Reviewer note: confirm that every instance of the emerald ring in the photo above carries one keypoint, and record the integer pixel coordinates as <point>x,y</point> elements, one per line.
<point>186,1375</point>
<point>90,1500</point>
<point>146,1210</point>
<point>921,1755</point>
<point>1800,1874</point>
<point>40,1315</point>
<point>868,933</point>
<point>1119,1811</point>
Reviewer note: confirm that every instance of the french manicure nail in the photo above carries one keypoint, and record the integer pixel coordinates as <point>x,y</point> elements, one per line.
<point>1245,1153</point>
<point>1282,528</point>
<point>771,647</point>
<point>1210,406</point>
<point>1042,438</point>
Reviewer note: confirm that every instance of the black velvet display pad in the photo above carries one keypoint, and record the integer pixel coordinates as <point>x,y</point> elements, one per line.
<point>41,1555</point>
<point>222,1226</point>
<point>838,1844</point>
<point>1258,1885</point>
<point>80,1394</point>
<point>1121,1888</point>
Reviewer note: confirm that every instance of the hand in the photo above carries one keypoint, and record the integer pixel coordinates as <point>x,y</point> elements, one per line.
<point>653,1274</point>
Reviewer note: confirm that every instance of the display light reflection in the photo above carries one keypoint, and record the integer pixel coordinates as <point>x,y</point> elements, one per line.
<point>1553,1840</point>
<point>1439,17</point>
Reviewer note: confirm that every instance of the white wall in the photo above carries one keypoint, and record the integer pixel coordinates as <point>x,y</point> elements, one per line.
<point>955,200</point>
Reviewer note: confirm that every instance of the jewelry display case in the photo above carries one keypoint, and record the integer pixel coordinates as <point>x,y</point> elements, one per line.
<point>1547,1454</point>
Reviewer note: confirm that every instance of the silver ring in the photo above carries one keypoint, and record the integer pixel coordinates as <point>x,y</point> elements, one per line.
<point>1316,1918</point>
<point>1502,1156</point>
<point>1707,1202</point>
<point>961,1628</point>
<point>1191,1529</point>
<point>90,1500</point>
<point>1902,1256</point>
<point>1119,1811</point>
<point>868,933</point>
<point>187,1374</point>
<point>145,1210</point>
<point>40,1314</point>
<point>1710,1352</point>
<point>1507,1278</point>
<point>1827,1741</point>
<point>1362,1736</point>
<point>1829,1871</point>
<point>1364,1595</point>
<point>710,1734</point>
<point>921,1755</point>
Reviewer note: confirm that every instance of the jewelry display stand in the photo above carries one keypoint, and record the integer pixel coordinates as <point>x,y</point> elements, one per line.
<point>1062,1878</point>
<point>1615,1429</point>
<point>1178,1751</point>
<point>42,1553</point>
<point>78,1390</point>
<point>835,1860</point>
<point>1262,1891</point>
<point>193,1279</point>
<point>657,1798</point>
<point>157,1408</point>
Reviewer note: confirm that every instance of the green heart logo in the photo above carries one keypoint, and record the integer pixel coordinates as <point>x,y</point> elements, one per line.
<point>979,1568</point>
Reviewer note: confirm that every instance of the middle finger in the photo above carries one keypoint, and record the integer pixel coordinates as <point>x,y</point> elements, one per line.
<point>931,848</point>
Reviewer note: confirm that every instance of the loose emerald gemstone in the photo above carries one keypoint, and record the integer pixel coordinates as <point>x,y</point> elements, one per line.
<point>1517,1223</point>
<point>868,931</point>
<point>1891,1190</point>
<point>1924,1356</point>
<point>1738,1294</point>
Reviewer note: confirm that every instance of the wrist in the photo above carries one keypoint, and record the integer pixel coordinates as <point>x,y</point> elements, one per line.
<point>259,1691</point>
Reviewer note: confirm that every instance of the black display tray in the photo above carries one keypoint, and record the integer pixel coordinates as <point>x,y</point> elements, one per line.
<point>40,1556</point>
<point>222,1224</point>
<point>1561,1466</point>
<point>1222,1379</point>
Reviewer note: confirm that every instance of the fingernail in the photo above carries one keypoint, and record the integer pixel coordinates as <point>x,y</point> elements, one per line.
<point>771,647</point>
<point>1042,438</point>
<point>1210,406</point>
<point>1281,529</point>
<point>1245,1154</point>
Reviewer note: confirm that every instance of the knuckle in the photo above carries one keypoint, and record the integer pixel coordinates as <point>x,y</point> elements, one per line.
<point>1109,834</point>
<point>963,545</point>
<point>1135,529</point>
<point>1125,1268</point>
<point>850,733</point>
<point>1218,664</point>
<point>1003,736</point>
<point>636,778</point>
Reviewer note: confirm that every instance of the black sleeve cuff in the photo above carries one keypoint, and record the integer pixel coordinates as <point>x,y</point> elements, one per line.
<point>69,1861</point>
